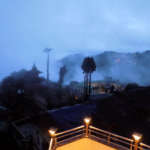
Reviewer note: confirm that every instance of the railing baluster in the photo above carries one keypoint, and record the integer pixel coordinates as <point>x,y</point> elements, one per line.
<point>131,145</point>
<point>109,138</point>
<point>51,144</point>
<point>140,147</point>
<point>55,142</point>
<point>89,132</point>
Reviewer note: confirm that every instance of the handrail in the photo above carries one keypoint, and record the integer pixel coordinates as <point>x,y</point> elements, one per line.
<point>69,139</point>
<point>51,144</point>
<point>144,145</point>
<point>110,138</point>
<point>112,134</point>
<point>68,134</point>
<point>17,131</point>
<point>71,130</point>
<point>97,134</point>
<point>63,137</point>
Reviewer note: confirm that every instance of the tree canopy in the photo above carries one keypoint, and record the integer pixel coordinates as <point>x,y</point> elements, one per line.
<point>88,65</point>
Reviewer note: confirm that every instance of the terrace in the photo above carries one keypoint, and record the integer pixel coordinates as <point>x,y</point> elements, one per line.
<point>91,138</point>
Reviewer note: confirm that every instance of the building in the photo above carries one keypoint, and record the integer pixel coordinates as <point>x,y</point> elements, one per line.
<point>102,87</point>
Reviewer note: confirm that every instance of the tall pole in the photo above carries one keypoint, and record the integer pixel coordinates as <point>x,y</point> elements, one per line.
<point>47,66</point>
<point>47,50</point>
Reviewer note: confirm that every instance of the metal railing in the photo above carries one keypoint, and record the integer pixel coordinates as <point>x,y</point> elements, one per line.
<point>62,138</point>
<point>144,146</point>
<point>110,138</point>
<point>102,136</point>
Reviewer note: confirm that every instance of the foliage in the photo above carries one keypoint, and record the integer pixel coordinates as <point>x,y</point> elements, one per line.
<point>88,65</point>
<point>25,93</point>
<point>62,73</point>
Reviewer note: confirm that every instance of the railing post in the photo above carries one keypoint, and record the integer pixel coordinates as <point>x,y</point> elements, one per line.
<point>109,138</point>
<point>87,130</point>
<point>87,123</point>
<point>141,148</point>
<point>53,142</point>
<point>131,145</point>
<point>137,138</point>
<point>136,145</point>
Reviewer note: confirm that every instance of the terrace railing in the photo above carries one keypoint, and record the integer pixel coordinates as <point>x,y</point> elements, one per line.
<point>65,137</point>
<point>110,139</point>
<point>144,146</point>
<point>102,136</point>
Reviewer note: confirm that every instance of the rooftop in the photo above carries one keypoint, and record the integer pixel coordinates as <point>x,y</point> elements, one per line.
<point>85,144</point>
<point>88,137</point>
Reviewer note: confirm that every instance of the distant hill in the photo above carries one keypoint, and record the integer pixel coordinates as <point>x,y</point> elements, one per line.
<point>126,67</point>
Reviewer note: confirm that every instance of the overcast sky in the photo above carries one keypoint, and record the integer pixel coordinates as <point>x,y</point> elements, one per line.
<point>69,26</point>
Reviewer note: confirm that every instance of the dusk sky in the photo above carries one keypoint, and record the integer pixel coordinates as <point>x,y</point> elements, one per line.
<point>69,26</point>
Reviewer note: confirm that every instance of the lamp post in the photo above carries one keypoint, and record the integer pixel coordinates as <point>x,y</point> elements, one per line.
<point>137,138</point>
<point>87,121</point>
<point>53,140</point>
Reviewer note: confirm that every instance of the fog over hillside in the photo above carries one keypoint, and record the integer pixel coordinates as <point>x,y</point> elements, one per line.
<point>125,67</point>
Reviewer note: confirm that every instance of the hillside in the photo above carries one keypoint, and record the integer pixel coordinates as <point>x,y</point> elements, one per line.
<point>126,67</point>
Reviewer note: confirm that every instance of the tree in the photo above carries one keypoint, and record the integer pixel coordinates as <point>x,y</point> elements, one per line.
<point>62,74</point>
<point>23,90</point>
<point>88,67</point>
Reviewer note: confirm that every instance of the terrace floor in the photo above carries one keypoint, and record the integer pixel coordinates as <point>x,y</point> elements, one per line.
<point>85,144</point>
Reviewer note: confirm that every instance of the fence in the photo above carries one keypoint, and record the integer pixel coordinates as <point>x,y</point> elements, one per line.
<point>102,136</point>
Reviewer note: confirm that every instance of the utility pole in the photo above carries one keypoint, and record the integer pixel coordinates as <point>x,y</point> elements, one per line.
<point>47,50</point>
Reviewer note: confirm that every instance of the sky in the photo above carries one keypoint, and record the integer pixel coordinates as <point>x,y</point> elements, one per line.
<point>27,27</point>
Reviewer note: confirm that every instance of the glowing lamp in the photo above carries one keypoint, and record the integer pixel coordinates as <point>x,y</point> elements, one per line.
<point>87,120</point>
<point>137,137</point>
<point>52,132</point>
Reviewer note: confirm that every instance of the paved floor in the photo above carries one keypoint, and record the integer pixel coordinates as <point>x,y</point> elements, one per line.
<point>85,144</point>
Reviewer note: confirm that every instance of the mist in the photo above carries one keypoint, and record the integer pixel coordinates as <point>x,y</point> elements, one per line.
<point>123,67</point>
<point>68,27</point>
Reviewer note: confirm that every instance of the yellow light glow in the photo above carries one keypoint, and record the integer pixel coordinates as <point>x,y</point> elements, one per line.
<point>52,132</point>
<point>87,120</point>
<point>137,137</point>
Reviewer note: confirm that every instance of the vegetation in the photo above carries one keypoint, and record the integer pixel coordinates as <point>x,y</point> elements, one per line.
<point>62,74</point>
<point>25,93</point>
<point>125,112</point>
<point>88,67</point>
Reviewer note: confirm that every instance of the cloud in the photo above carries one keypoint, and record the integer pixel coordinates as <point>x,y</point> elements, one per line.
<point>28,26</point>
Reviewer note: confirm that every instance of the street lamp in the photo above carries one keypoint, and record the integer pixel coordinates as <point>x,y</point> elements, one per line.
<point>137,138</point>
<point>87,121</point>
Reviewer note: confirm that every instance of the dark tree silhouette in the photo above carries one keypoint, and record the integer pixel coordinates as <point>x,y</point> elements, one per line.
<point>25,93</point>
<point>88,67</point>
<point>62,74</point>
<point>21,89</point>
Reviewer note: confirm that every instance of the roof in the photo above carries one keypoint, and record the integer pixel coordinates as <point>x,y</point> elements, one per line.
<point>85,143</point>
